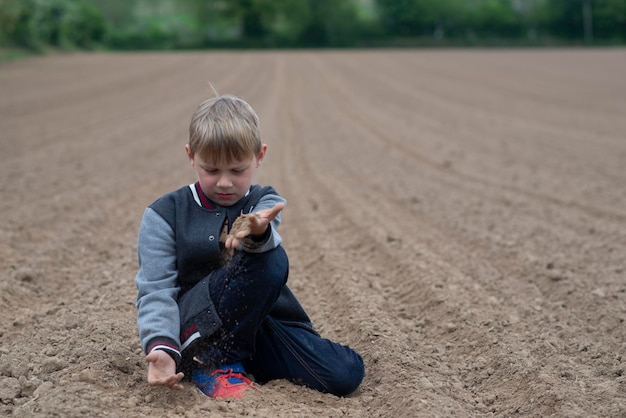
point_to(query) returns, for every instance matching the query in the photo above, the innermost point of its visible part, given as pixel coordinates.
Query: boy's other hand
(252, 224)
(162, 370)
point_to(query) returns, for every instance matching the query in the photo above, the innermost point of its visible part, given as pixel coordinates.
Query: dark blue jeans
(273, 340)
(299, 354)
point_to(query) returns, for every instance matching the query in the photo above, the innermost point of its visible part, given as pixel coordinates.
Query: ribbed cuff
(255, 241)
(167, 345)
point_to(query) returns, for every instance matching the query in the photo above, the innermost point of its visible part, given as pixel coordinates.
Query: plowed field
(457, 216)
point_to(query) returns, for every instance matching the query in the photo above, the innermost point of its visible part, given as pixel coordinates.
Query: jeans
(273, 340)
(300, 355)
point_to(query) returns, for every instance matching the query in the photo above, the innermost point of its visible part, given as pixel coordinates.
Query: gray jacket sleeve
(158, 316)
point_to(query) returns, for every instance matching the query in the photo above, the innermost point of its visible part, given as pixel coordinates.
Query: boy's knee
(271, 267)
(348, 375)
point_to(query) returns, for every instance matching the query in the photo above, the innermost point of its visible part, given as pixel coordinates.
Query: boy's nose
(224, 181)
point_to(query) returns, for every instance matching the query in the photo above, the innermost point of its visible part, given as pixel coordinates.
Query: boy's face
(225, 182)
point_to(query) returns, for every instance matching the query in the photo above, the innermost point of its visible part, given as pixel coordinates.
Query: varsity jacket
(178, 245)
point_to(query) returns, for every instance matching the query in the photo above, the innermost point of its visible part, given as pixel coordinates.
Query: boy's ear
(261, 154)
(188, 152)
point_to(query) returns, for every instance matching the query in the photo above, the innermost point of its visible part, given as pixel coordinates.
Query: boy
(212, 297)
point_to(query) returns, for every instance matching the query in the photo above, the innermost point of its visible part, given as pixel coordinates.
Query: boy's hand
(162, 370)
(251, 224)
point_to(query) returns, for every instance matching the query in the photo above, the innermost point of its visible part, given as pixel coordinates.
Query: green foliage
(455, 18)
(172, 24)
(35, 24)
(565, 19)
(328, 23)
(511, 19)
(610, 19)
(409, 17)
(497, 18)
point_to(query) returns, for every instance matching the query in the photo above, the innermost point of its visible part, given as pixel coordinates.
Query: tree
(496, 18)
(408, 17)
(35, 24)
(585, 19)
(609, 18)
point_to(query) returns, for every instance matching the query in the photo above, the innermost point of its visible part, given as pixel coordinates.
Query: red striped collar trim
(203, 199)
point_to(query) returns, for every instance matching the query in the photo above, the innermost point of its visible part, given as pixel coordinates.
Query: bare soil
(457, 216)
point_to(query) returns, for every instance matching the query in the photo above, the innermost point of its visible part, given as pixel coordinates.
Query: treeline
(177, 24)
(37, 24)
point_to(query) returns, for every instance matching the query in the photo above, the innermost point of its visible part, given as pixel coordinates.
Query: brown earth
(458, 217)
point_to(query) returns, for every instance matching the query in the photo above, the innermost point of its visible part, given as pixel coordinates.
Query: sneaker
(228, 381)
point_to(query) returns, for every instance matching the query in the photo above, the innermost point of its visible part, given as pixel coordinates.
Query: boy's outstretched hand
(162, 370)
(251, 224)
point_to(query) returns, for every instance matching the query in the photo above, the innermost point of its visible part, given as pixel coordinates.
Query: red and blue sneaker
(227, 381)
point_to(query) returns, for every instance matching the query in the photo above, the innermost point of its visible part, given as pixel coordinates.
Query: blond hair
(224, 128)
